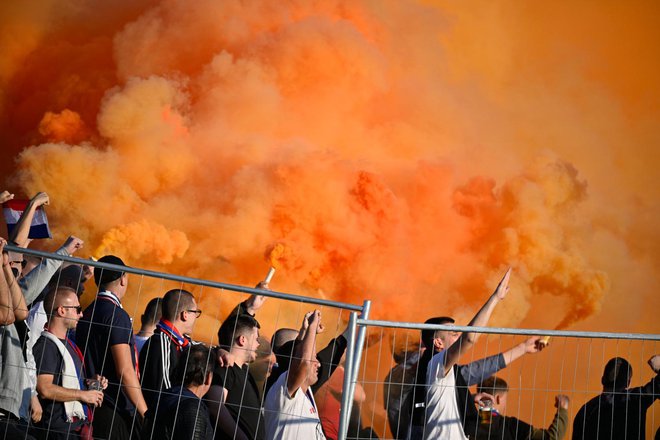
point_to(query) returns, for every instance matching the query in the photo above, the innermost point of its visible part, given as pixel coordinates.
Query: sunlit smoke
(346, 138)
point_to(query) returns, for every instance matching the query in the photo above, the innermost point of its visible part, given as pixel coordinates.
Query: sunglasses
(78, 308)
(197, 313)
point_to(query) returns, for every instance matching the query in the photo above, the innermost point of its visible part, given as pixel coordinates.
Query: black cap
(105, 276)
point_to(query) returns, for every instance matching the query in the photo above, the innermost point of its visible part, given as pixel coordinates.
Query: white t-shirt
(291, 418)
(443, 421)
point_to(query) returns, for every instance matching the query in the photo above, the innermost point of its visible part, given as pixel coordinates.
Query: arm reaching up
(531, 345)
(6, 306)
(467, 339)
(22, 230)
(305, 355)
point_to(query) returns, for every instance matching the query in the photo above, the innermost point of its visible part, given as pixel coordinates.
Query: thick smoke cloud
(399, 151)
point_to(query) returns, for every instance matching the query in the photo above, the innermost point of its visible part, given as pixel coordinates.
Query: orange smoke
(396, 151)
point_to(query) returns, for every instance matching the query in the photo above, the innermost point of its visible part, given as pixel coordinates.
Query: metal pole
(184, 279)
(346, 400)
(357, 358)
(509, 331)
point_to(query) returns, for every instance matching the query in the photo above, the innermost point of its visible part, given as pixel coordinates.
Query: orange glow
(402, 151)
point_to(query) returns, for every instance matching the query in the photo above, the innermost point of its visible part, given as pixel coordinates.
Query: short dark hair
(235, 326)
(429, 335)
(152, 312)
(176, 301)
(70, 276)
(52, 297)
(617, 374)
(493, 385)
(193, 367)
(103, 277)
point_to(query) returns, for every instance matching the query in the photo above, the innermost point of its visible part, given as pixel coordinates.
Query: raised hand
(561, 401)
(654, 363)
(41, 199)
(503, 286)
(72, 244)
(6, 196)
(532, 345)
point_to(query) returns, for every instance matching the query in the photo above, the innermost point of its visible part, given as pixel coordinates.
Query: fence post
(346, 403)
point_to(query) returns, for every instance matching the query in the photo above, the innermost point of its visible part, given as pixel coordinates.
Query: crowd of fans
(66, 372)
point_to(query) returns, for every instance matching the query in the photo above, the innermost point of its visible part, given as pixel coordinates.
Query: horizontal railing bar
(508, 331)
(184, 279)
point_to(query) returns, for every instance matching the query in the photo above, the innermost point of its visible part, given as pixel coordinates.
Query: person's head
(617, 374)
(180, 308)
(498, 388)
(195, 369)
(240, 335)
(70, 276)
(152, 313)
(112, 280)
(62, 307)
(282, 336)
(439, 339)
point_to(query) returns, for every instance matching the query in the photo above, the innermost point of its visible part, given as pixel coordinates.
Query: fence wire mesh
(243, 387)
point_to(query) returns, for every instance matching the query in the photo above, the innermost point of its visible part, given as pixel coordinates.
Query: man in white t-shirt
(290, 408)
(443, 417)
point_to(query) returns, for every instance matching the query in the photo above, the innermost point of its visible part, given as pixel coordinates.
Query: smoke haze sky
(406, 152)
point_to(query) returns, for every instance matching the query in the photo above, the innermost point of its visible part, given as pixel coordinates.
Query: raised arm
(121, 353)
(255, 302)
(531, 345)
(17, 299)
(467, 339)
(559, 425)
(37, 279)
(6, 306)
(22, 229)
(303, 357)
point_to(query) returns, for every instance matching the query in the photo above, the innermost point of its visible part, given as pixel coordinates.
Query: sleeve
(475, 372)
(329, 359)
(651, 391)
(37, 279)
(556, 430)
(240, 309)
(121, 330)
(224, 377)
(152, 364)
(47, 358)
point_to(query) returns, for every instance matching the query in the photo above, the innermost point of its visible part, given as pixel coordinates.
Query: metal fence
(216, 299)
(571, 364)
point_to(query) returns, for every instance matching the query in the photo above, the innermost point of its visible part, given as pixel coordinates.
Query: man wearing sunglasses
(61, 380)
(160, 354)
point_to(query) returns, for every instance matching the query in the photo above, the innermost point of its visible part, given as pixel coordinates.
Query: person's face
(313, 376)
(71, 310)
(191, 318)
(252, 344)
(445, 339)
